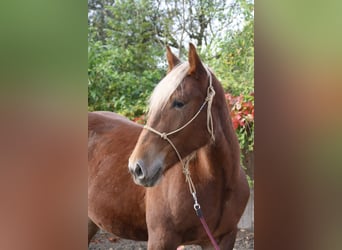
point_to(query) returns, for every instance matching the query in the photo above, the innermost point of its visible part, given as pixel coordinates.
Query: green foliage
(233, 61)
(125, 66)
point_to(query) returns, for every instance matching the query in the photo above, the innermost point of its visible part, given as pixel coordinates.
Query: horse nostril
(138, 171)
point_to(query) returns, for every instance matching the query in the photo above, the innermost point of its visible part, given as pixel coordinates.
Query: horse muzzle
(143, 175)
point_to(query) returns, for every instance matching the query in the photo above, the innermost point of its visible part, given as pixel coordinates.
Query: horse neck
(224, 153)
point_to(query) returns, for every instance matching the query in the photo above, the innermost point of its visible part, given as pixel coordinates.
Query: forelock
(166, 87)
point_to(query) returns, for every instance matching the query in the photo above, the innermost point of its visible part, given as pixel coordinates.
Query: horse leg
(163, 240)
(227, 241)
(92, 229)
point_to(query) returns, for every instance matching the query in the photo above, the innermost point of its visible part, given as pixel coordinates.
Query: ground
(106, 241)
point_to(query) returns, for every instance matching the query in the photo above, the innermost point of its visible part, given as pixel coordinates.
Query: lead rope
(185, 165)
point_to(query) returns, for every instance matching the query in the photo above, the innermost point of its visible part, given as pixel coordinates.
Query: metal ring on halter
(198, 210)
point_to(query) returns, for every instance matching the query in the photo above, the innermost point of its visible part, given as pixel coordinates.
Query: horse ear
(194, 61)
(171, 59)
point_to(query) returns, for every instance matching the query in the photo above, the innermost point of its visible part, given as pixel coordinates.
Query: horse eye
(177, 104)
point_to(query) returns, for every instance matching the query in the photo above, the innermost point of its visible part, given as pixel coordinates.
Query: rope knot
(211, 89)
(163, 135)
(186, 171)
(211, 92)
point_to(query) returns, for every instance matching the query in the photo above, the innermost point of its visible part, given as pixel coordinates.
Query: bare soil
(106, 241)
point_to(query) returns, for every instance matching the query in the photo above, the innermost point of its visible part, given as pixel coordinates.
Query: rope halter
(210, 126)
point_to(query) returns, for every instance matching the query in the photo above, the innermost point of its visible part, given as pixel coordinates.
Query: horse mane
(166, 87)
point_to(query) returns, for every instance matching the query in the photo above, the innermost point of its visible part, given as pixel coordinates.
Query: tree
(232, 57)
(98, 16)
(123, 62)
(198, 21)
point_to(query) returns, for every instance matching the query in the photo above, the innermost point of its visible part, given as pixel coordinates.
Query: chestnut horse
(186, 153)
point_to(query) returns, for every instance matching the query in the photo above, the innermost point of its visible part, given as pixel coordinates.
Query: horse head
(179, 119)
